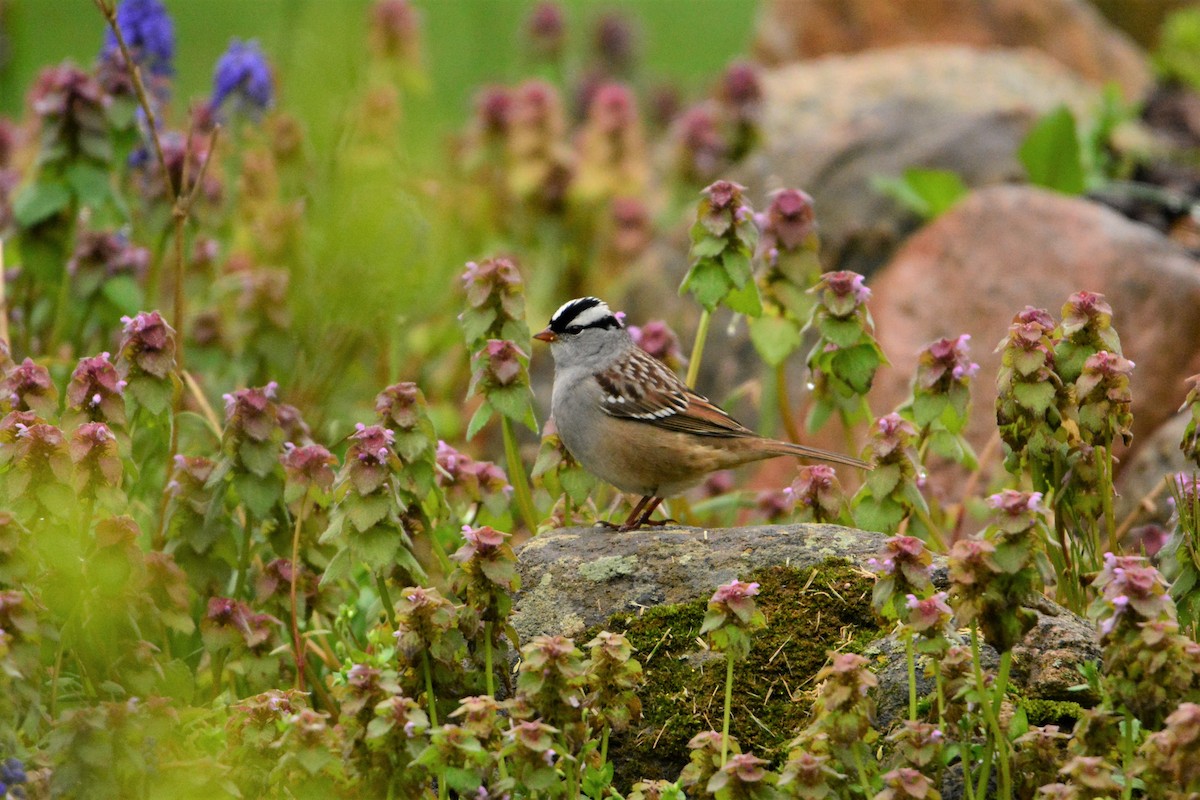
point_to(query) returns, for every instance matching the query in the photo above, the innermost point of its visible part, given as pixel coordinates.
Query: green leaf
(928, 407)
(842, 332)
(857, 366)
(775, 338)
(883, 516)
(260, 494)
(1051, 153)
(366, 512)
(478, 420)
(475, 324)
(513, 402)
(707, 282)
(745, 300)
(1035, 397)
(376, 547)
(40, 201)
(927, 192)
(91, 185)
(737, 267)
(124, 293)
(883, 479)
(707, 246)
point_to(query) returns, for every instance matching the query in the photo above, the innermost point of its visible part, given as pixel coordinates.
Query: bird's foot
(644, 523)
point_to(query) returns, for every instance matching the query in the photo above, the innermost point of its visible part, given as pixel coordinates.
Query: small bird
(630, 421)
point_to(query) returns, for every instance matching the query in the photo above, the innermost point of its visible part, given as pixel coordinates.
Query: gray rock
(575, 578)
(831, 126)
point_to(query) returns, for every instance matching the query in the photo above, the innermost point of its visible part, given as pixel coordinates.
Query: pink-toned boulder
(1070, 31)
(1003, 248)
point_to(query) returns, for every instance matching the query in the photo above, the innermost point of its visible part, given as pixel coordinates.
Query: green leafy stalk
(517, 476)
(698, 347)
(297, 642)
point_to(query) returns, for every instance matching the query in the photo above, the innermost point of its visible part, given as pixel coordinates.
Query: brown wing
(642, 388)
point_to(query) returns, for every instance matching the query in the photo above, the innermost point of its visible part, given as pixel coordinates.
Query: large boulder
(1003, 248)
(653, 585)
(1070, 31)
(833, 125)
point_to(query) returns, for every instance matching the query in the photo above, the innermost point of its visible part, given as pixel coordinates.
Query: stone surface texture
(576, 578)
(1072, 32)
(833, 125)
(1003, 248)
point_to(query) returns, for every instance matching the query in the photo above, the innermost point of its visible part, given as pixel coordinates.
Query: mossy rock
(808, 611)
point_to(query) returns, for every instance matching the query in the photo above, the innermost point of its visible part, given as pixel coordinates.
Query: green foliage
(1051, 153)
(1178, 54)
(929, 193)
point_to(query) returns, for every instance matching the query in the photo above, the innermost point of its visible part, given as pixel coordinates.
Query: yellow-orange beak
(546, 335)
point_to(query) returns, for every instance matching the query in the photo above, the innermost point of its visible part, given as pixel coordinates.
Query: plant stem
(698, 347)
(862, 769)
(385, 600)
(997, 744)
(243, 556)
(487, 659)
(784, 401)
(297, 642)
(431, 702)
(728, 703)
(1106, 498)
(604, 747)
(517, 477)
(911, 658)
(1127, 756)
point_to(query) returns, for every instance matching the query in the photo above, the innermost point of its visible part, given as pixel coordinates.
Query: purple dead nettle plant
(96, 393)
(428, 642)
(744, 775)
(546, 32)
(904, 593)
(731, 617)
(613, 677)
(845, 356)
(496, 332)
(891, 494)
(308, 483)
(700, 150)
(611, 151)
(38, 474)
(995, 578)
(739, 96)
(1147, 663)
(551, 689)
(941, 400)
(28, 387)
(843, 719)
(486, 580)
(1032, 399)
(538, 158)
(707, 749)
(376, 515)
(1172, 756)
(788, 253)
(817, 496)
(146, 361)
(723, 238)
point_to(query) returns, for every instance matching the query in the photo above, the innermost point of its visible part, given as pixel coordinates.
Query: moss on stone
(809, 611)
(1062, 713)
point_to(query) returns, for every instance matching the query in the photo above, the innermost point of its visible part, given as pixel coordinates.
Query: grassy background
(317, 46)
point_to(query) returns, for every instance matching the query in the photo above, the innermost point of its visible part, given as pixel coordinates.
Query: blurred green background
(319, 45)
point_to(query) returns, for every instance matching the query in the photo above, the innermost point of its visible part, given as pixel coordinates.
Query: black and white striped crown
(584, 312)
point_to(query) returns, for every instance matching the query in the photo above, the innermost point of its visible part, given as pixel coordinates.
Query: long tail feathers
(815, 453)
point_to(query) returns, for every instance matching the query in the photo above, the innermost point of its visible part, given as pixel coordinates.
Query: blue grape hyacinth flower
(148, 32)
(243, 77)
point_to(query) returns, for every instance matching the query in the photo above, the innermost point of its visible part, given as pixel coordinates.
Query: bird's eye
(574, 328)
